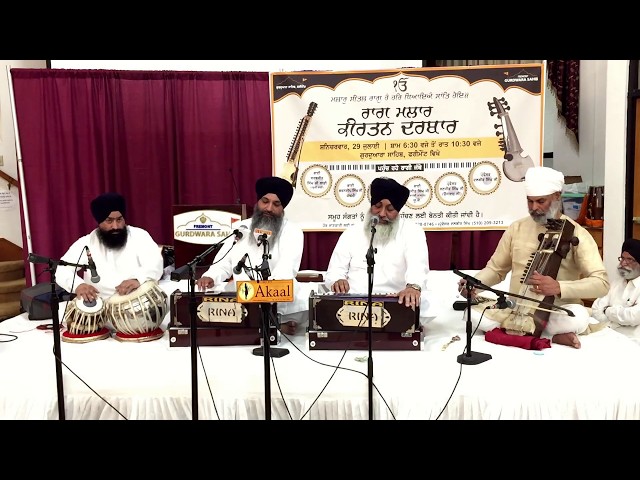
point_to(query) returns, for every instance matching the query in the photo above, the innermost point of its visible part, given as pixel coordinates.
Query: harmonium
(341, 322)
(220, 320)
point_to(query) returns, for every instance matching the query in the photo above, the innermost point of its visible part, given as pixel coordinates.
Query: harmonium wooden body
(341, 322)
(220, 320)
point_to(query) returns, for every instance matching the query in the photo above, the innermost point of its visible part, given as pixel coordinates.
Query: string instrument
(516, 164)
(554, 245)
(290, 169)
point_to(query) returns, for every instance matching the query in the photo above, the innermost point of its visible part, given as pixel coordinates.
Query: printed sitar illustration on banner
(461, 139)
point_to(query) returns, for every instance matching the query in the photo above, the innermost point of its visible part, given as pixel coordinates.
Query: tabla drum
(136, 317)
(85, 321)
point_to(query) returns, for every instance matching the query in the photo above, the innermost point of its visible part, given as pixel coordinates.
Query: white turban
(540, 181)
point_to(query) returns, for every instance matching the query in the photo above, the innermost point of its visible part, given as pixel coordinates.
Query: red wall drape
(161, 138)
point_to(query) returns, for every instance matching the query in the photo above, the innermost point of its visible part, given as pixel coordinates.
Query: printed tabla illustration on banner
(461, 139)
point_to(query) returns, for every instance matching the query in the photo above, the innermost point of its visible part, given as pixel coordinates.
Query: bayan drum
(84, 321)
(136, 317)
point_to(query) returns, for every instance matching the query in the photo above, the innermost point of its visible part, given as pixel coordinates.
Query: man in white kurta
(401, 255)
(619, 307)
(284, 246)
(581, 273)
(125, 256)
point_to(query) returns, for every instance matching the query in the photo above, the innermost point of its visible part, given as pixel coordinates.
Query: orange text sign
(265, 291)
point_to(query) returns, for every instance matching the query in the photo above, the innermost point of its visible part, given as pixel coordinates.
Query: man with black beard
(270, 249)
(581, 273)
(620, 305)
(401, 253)
(125, 257)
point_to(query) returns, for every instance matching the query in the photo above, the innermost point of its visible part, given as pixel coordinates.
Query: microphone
(262, 235)
(375, 219)
(503, 303)
(238, 268)
(38, 259)
(95, 278)
(239, 232)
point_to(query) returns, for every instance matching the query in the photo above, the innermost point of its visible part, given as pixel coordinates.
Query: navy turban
(632, 247)
(276, 185)
(388, 188)
(104, 204)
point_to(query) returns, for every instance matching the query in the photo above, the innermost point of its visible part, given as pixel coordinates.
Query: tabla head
(84, 321)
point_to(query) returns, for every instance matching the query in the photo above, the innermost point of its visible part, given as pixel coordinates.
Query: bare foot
(569, 339)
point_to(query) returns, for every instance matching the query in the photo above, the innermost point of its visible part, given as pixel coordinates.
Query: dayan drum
(85, 321)
(136, 317)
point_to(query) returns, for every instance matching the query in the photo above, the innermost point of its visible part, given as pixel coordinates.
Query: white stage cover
(109, 379)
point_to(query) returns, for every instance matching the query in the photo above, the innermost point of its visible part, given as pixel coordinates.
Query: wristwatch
(414, 286)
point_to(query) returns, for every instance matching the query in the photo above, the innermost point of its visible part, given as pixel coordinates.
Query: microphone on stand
(240, 266)
(375, 219)
(261, 235)
(33, 258)
(503, 303)
(239, 232)
(95, 278)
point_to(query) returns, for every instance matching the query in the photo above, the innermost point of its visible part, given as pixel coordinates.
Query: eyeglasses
(627, 260)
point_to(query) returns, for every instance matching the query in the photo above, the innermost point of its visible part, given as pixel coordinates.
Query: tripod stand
(54, 302)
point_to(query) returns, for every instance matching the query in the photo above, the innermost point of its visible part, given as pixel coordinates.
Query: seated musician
(581, 274)
(401, 255)
(124, 256)
(619, 308)
(284, 246)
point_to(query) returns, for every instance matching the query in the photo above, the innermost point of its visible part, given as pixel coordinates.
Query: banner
(461, 139)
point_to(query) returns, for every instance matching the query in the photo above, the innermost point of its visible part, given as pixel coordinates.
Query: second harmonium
(341, 322)
(220, 319)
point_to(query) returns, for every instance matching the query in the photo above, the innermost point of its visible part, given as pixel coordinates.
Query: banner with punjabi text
(461, 139)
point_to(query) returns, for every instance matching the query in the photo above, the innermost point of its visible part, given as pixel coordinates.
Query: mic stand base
(474, 358)
(273, 352)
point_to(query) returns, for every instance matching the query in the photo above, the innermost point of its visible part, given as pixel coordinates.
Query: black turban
(104, 204)
(388, 188)
(632, 247)
(276, 185)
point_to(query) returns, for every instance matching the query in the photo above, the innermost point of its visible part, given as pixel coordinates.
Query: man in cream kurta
(581, 273)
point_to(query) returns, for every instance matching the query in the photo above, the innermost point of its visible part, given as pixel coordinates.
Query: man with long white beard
(619, 307)
(581, 273)
(277, 258)
(401, 252)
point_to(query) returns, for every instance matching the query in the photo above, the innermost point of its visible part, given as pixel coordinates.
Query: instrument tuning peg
(575, 241)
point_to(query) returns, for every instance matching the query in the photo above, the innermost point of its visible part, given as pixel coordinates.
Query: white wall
(10, 227)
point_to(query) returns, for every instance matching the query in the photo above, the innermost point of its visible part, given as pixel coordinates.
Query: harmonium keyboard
(220, 320)
(341, 322)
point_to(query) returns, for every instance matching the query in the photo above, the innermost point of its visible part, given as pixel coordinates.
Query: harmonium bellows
(341, 322)
(220, 320)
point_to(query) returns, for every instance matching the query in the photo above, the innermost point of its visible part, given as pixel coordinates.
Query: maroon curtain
(161, 138)
(564, 76)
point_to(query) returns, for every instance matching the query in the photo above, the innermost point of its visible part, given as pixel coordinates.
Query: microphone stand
(469, 357)
(474, 358)
(265, 350)
(177, 275)
(54, 303)
(370, 263)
